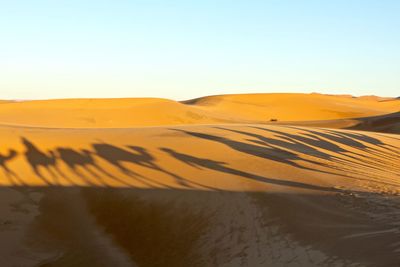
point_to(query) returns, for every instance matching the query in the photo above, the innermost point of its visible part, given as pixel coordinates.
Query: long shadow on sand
(4, 159)
(287, 149)
(277, 150)
(139, 156)
(374, 150)
(38, 159)
(297, 144)
(219, 166)
(83, 163)
(84, 159)
(270, 153)
(372, 158)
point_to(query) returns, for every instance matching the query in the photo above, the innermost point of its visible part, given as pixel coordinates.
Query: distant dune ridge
(231, 180)
(247, 108)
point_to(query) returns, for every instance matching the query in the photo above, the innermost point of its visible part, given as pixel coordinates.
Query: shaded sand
(199, 195)
(388, 123)
(246, 108)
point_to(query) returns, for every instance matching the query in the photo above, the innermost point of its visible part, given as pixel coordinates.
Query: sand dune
(160, 187)
(388, 123)
(101, 113)
(211, 191)
(250, 108)
(296, 107)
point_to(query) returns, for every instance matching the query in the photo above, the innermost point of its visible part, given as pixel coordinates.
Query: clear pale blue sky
(185, 49)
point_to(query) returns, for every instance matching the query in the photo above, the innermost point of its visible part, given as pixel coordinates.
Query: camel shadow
(147, 160)
(118, 156)
(4, 159)
(76, 160)
(220, 166)
(277, 153)
(38, 160)
(325, 141)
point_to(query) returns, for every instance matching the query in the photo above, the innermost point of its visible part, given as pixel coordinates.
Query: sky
(186, 49)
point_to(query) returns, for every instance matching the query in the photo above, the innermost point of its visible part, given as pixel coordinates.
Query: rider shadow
(117, 156)
(357, 137)
(284, 143)
(83, 159)
(4, 159)
(139, 156)
(261, 151)
(220, 166)
(144, 158)
(373, 146)
(326, 142)
(38, 160)
(278, 154)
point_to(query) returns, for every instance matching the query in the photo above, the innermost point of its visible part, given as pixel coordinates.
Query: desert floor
(235, 180)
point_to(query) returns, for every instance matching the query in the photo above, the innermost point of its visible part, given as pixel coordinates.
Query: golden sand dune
(388, 123)
(296, 107)
(246, 108)
(101, 113)
(198, 195)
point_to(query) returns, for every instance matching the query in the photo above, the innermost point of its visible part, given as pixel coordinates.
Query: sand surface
(251, 108)
(205, 182)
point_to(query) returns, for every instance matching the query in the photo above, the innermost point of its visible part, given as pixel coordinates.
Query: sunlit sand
(233, 180)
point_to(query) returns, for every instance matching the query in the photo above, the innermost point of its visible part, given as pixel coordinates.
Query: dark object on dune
(273, 120)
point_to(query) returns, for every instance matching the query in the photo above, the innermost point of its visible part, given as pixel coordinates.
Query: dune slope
(216, 195)
(388, 123)
(246, 108)
(296, 107)
(208, 182)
